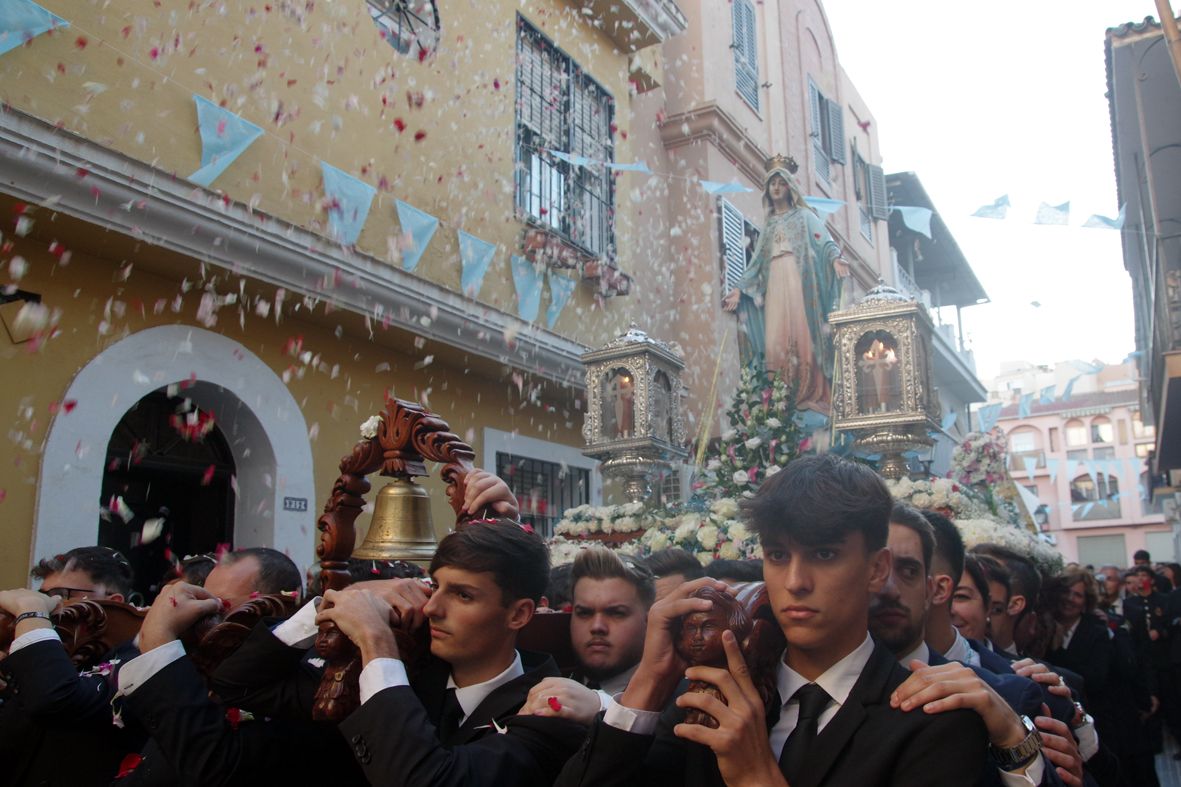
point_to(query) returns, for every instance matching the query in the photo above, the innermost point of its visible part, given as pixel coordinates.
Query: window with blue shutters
(827, 131)
(746, 52)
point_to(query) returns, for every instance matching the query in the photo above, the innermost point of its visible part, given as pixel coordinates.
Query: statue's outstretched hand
(730, 302)
(841, 266)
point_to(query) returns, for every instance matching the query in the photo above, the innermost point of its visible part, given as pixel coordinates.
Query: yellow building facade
(238, 301)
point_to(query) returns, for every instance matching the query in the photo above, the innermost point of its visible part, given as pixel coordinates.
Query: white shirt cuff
(605, 699)
(300, 629)
(1088, 740)
(1032, 776)
(32, 637)
(381, 674)
(641, 722)
(141, 668)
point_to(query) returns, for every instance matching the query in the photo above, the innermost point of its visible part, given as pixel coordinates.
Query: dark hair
(600, 563)
(738, 570)
(194, 569)
(517, 560)
(276, 572)
(994, 571)
(1141, 554)
(817, 499)
(949, 544)
(909, 516)
(558, 592)
(1024, 578)
(977, 574)
(104, 566)
(674, 560)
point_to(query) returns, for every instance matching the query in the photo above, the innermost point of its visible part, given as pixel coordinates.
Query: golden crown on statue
(782, 162)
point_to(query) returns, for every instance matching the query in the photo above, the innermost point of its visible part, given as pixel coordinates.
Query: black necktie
(451, 716)
(813, 700)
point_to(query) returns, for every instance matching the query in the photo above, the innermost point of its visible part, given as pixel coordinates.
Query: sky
(1006, 98)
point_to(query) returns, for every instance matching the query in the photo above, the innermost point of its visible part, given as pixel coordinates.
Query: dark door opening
(167, 488)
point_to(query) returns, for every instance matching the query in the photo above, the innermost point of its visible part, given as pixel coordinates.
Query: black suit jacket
(393, 736)
(55, 724)
(1061, 708)
(194, 743)
(395, 739)
(866, 743)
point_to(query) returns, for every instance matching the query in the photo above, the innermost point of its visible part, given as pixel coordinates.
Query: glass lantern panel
(879, 374)
(619, 407)
(662, 411)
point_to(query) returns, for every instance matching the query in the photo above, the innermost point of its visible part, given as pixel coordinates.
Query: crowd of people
(904, 659)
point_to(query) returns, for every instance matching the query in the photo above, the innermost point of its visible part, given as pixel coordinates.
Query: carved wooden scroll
(91, 628)
(408, 437)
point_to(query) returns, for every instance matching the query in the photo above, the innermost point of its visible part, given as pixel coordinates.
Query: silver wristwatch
(1021, 755)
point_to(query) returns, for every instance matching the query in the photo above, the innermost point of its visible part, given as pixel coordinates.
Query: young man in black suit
(899, 617)
(823, 524)
(454, 722)
(48, 707)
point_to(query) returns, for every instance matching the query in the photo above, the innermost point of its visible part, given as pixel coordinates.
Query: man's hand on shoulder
(740, 741)
(952, 686)
(660, 668)
(1060, 748)
(363, 617)
(174, 611)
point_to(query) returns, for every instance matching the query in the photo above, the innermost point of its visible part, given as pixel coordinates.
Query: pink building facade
(1084, 460)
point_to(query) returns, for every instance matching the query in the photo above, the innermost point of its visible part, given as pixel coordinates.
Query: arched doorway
(263, 425)
(167, 489)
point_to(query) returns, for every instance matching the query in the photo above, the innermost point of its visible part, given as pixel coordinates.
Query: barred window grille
(543, 489)
(746, 52)
(738, 238)
(561, 108)
(409, 26)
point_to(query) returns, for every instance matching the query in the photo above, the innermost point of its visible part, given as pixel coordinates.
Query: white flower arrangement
(587, 519)
(989, 531)
(940, 493)
(714, 533)
(370, 427)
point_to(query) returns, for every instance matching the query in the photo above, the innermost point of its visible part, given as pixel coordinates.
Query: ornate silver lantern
(883, 391)
(634, 423)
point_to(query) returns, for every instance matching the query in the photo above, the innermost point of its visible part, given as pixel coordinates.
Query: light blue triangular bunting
(1025, 405)
(224, 137)
(1069, 390)
(1047, 395)
(918, 219)
(23, 20)
(1102, 222)
(949, 420)
(824, 206)
(997, 210)
(560, 289)
(527, 281)
(1030, 463)
(713, 187)
(475, 256)
(1053, 465)
(637, 166)
(1052, 214)
(351, 199)
(420, 226)
(988, 416)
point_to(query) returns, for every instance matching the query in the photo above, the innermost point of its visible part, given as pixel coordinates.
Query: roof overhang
(635, 24)
(40, 164)
(943, 268)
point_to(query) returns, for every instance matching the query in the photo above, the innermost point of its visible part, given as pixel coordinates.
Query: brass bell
(401, 525)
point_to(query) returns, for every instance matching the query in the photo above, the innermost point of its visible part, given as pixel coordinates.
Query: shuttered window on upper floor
(869, 185)
(827, 129)
(738, 237)
(746, 52)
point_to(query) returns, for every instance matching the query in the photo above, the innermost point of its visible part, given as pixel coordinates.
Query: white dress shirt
(381, 674)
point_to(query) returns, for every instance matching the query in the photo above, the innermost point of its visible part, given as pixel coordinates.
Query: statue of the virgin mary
(793, 281)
